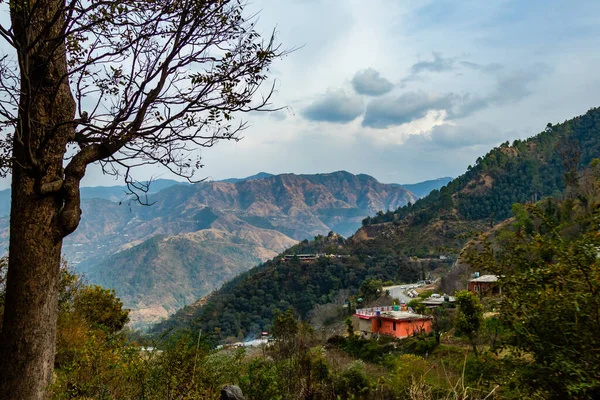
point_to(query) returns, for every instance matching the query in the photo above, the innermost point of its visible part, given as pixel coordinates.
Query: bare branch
(152, 81)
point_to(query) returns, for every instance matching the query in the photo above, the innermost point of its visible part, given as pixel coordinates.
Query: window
(394, 325)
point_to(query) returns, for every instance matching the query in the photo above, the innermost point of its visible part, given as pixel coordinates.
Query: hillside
(436, 225)
(247, 304)
(164, 273)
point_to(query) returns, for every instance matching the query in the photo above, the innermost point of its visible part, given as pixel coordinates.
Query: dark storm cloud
(371, 83)
(388, 111)
(336, 106)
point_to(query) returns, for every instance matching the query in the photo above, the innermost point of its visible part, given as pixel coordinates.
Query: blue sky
(410, 90)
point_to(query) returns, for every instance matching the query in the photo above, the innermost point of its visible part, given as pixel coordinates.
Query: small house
(485, 285)
(391, 321)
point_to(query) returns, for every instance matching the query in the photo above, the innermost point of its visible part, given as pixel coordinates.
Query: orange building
(400, 324)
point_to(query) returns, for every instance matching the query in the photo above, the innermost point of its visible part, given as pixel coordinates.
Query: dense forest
(525, 171)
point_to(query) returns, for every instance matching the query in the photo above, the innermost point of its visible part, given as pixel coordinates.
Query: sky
(407, 91)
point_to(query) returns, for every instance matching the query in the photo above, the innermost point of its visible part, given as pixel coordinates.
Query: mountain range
(194, 237)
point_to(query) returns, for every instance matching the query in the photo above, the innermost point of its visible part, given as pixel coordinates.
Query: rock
(232, 392)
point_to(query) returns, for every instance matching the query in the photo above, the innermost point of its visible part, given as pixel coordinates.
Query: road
(397, 293)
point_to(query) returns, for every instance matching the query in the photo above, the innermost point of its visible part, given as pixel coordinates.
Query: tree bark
(45, 126)
(28, 341)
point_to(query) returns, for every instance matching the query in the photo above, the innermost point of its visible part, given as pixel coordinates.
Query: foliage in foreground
(549, 264)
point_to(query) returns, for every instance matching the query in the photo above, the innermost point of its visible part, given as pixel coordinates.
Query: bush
(353, 382)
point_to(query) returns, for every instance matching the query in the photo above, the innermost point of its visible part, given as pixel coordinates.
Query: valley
(191, 239)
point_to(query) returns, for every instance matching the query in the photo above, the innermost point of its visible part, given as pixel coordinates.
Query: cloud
(510, 88)
(438, 64)
(336, 106)
(454, 136)
(489, 68)
(388, 111)
(371, 83)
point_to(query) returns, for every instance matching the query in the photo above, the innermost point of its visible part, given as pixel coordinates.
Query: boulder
(232, 392)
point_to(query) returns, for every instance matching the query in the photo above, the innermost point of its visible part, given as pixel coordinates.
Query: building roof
(433, 301)
(403, 315)
(390, 314)
(485, 278)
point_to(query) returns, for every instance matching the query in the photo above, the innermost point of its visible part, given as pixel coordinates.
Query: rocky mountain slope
(164, 273)
(192, 238)
(299, 206)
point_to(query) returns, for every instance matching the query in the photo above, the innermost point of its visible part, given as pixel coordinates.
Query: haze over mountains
(193, 238)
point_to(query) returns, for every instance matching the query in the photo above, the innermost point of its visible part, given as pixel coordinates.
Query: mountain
(234, 226)
(164, 273)
(260, 175)
(438, 224)
(121, 193)
(299, 206)
(422, 189)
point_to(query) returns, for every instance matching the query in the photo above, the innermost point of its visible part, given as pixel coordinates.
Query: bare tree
(116, 83)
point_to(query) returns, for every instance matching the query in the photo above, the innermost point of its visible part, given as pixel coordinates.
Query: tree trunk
(28, 341)
(38, 204)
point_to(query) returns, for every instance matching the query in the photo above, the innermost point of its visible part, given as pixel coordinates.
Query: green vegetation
(469, 318)
(97, 359)
(248, 303)
(550, 268)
